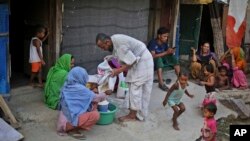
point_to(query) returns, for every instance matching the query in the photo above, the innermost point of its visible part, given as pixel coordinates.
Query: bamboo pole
(8, 113)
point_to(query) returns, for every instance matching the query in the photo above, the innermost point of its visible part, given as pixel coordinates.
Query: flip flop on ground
(163, 87)
(77, 135)
(168, 81)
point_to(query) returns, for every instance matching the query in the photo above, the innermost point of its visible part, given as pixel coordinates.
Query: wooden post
(217, 29)
(8, 113)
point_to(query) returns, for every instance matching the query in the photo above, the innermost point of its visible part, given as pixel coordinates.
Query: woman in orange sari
(239, 58)
(239, 79)
(234, 60)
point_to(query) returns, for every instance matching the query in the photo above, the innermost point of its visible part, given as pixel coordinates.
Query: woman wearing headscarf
(78, 104)
(56, 78)
(239, 79)
(234, 60)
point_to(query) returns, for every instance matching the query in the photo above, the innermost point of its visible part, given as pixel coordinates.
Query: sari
(75, 97)
(239, 79)
(55, 80)
(239, 57)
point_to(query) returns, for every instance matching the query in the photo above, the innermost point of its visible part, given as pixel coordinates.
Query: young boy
(174, 95)
(36, 55)
(222, 80)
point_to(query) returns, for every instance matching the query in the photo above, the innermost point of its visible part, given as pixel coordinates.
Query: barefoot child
(209, 130)
(36, 55)
(209, 85)
(222, 80)
(174, 95)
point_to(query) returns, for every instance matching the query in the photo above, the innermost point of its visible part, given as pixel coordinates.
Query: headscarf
(239, 55)
(75, 97)
(55, 80)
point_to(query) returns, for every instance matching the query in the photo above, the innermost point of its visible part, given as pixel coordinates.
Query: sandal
(168, 81)
(163, 87)
(157, 81)
(77, 135)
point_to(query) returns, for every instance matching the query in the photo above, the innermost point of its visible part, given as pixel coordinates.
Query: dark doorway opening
(16, 45)
(206, 32)
(24, 16)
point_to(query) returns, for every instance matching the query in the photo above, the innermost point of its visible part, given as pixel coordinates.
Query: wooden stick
(8, 113)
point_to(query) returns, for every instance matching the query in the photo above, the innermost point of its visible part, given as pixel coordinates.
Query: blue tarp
(4, 42)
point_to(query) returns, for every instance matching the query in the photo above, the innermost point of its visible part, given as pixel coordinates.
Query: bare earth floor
(39, 122)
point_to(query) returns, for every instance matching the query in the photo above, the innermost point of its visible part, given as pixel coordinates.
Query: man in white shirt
(134, 57)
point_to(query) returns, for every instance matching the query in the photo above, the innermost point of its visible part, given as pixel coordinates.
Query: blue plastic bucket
(103, 108)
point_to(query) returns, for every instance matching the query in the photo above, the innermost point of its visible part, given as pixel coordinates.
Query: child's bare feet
(175, 125)
(243, 87)
(40, 85)
(31, 84)
(175, 121)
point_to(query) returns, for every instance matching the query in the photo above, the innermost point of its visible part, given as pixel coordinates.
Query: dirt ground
(224, 123)
(39, 122)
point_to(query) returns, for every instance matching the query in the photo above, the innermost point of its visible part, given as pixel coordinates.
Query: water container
(103, 106)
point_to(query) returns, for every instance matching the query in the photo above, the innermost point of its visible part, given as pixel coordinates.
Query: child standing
(209, 130)
(209, 85)
(222, 80)
(36, 55)
(174, 95)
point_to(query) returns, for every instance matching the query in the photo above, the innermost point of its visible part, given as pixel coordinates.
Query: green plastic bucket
(107, 117)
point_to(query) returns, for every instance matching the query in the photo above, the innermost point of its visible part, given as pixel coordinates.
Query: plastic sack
(111, 83)
(122, 89)
(104, 68)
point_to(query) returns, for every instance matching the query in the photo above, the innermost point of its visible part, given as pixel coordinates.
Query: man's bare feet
(127, 118)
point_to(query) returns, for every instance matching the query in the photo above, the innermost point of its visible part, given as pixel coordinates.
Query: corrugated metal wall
(83, 19)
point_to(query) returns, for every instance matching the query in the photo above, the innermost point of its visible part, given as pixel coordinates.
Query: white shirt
(34, 57)
(134, 52)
